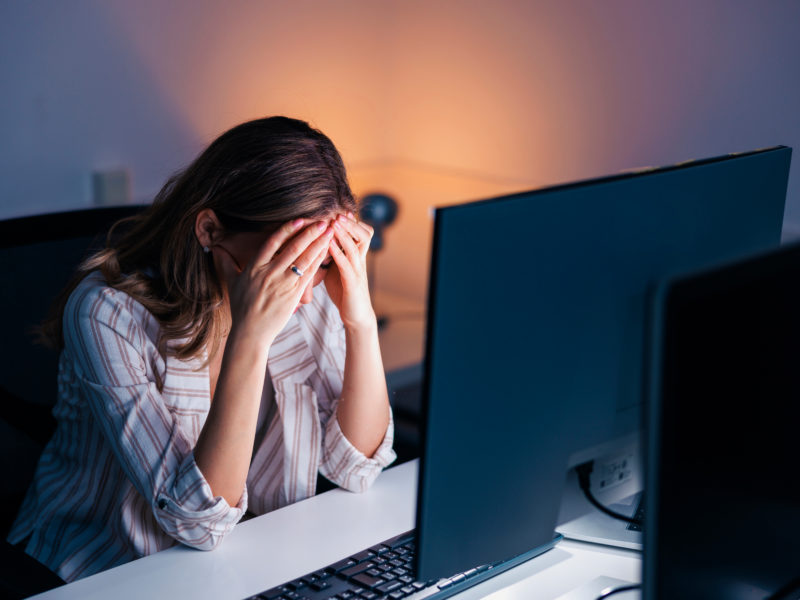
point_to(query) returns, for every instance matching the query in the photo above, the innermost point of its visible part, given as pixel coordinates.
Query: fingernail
(297, 223)
(329, 232)
(350, 214)
(321, 226)
(336, 225)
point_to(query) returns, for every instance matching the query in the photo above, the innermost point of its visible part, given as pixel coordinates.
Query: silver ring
(296, 271)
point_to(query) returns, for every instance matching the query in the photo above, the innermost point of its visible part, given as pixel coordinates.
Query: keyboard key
(397, 594)
(346, 595)
(419, 585)
(389, 576)
(374, 572)
(385, 567)
(378, 560)
(408, 589)
(389, 586)
(406, 579)
(320, 585)
(356, 569)
(445, 584)
(274, 592)
(322, 574)
(390, 555)
(367, 580)
(342, 564)
(364, 555)
(368, 595)
(401, 540)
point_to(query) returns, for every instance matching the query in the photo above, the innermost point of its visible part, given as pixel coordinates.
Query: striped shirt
(118, 480)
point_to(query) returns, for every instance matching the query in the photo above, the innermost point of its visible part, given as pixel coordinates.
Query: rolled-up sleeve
(109, 346)
(348, 467)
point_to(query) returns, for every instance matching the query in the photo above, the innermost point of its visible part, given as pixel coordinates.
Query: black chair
(38, 256)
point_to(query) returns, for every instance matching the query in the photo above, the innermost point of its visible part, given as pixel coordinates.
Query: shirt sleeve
(348, 467)
(342, 463)
(109, 345)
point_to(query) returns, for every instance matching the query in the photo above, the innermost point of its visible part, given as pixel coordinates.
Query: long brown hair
(255, 177)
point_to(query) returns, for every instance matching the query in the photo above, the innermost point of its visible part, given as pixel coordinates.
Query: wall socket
(612, 471)
(111, 187)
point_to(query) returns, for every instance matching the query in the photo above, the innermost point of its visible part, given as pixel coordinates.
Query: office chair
(38, 256)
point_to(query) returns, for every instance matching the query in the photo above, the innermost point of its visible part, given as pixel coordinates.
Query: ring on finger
(294, 269)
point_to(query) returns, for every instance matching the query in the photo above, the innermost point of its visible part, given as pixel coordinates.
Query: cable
(623, 588)
(584, 471)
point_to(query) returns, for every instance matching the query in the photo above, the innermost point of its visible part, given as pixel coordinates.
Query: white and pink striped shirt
(119, 481)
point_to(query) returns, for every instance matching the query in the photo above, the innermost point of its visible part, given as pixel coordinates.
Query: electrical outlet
(111, 187)
(613, 471)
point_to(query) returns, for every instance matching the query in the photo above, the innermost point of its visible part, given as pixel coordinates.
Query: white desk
(275, 548)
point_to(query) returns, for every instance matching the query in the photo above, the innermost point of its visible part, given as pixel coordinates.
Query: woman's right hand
(265, 293)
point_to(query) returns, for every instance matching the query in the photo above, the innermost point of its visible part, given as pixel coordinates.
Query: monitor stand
(601, 585)
(598, 528)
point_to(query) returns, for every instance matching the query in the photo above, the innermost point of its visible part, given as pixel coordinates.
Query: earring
(206, 249)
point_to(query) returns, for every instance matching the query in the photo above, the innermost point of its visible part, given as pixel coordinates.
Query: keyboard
(384, 571)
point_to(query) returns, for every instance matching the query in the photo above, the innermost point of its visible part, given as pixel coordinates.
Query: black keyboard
(383, 571)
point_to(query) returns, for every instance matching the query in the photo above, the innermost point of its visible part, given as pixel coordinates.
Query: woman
(215, 358)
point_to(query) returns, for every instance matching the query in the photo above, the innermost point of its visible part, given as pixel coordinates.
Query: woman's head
(252, 178)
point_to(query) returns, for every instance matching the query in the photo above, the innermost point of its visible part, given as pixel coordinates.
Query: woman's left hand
(347, 284)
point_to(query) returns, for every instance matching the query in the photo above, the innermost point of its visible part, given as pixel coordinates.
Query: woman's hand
(265, 293)
(347, 284)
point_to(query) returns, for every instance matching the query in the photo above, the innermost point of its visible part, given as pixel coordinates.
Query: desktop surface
(287, 543)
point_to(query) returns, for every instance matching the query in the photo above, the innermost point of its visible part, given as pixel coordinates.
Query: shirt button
(162, 503)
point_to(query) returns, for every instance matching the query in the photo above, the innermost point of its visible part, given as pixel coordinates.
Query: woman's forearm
(225, 445)
(363, 410)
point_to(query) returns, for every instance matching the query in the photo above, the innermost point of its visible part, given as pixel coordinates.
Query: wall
(93, 84)
(433, 102)
(518, 94)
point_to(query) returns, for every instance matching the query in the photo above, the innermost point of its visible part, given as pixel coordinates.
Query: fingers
(308, 259)
(366, 227)
(346, 232)
(344, 266)
(276, 240)
(291, 251)
(360, 232)
(311, 270)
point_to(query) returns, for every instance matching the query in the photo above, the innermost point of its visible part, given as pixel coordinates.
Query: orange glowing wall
(433, 102)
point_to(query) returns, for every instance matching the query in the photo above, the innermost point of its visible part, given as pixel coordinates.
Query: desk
(290, 542)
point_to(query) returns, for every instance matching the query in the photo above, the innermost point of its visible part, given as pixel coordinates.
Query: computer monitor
(535, 347)
(723, 496)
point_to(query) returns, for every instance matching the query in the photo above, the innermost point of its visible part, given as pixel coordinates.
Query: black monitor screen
(536, 339)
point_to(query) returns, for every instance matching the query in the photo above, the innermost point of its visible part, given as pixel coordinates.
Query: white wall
(436, 102)
(93, 84)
